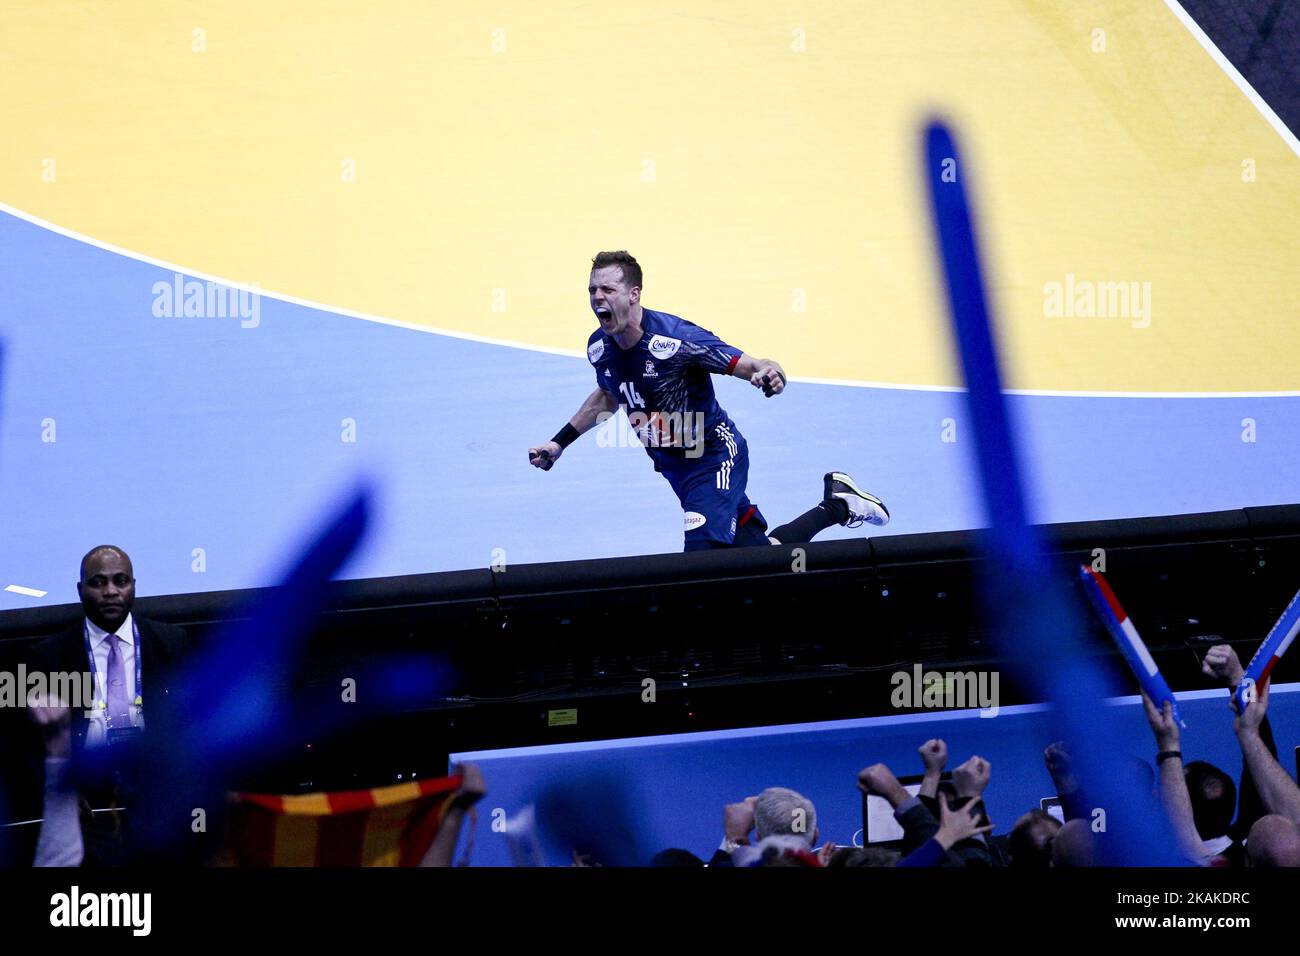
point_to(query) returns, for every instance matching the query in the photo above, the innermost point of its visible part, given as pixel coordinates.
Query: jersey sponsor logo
(694, 520)
(661, 346)
(650, 370)
(595, 350)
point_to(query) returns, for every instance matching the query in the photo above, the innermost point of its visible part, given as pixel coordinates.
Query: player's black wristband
(566, 436)
(1168, 755)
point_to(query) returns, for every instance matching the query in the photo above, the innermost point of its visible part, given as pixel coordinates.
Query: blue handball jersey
(663, 384)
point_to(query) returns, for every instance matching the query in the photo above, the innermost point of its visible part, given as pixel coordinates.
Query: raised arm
(1221, 661)
(1276, 788)
(598, 404)
(60, 840)
(934, 755)
(766, 374)
(1173, 785)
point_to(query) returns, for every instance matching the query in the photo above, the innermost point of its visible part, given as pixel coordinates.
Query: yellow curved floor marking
(761, 162)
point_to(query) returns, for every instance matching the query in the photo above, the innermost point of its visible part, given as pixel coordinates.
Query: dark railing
(736, 638)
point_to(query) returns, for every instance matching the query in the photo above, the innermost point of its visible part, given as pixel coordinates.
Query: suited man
(132, 660)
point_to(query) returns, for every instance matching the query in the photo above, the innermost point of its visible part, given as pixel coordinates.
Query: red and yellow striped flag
(384, 826)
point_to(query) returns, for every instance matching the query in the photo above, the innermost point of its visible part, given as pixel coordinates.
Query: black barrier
(552, 653)
(475, 589)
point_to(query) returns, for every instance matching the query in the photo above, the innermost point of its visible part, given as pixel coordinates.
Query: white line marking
(263, 293)
(1052, 393)
(1226, 65)
(30, 592)
(575, 353)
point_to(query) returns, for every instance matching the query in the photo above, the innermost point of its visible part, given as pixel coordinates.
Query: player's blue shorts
(718, 513)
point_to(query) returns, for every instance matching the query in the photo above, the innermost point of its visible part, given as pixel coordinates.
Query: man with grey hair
(779, 811)
(778, 817)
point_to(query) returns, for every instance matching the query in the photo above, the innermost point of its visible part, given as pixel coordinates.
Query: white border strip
(823, 726)
(29, 592)
(574, 353)
(1225, 64)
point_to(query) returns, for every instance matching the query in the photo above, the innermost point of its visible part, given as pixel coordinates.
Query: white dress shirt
(97, 730)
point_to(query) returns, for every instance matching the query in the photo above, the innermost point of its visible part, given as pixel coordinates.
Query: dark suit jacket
(162, 647)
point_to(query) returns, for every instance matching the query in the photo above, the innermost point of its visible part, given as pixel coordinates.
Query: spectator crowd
(1212, 819)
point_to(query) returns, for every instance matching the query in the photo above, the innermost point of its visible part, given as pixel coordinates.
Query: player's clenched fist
(545, 455)
(770, 377)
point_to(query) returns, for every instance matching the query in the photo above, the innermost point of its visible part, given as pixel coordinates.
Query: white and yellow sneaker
(863, 507)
